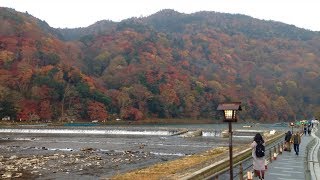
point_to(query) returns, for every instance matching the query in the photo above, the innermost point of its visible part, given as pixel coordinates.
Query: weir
(192, 133)
(87, 131)
(181, 133)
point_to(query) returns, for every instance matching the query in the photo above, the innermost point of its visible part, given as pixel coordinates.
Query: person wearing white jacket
(258, 162)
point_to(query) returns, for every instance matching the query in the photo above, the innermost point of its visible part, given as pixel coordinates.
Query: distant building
(6, 118)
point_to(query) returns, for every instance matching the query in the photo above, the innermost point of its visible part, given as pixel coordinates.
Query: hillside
(40, 76)
(167, 65)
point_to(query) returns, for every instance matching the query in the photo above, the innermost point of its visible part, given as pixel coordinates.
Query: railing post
(280, 148)
(240, 172)
(216, 177)
(274, 152)
(249, 175)
(270, 156)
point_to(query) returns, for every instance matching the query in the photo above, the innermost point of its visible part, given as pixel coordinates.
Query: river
(117, 148)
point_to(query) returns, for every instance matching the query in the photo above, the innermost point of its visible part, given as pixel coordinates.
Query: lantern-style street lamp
(229, 112)
(292, 125)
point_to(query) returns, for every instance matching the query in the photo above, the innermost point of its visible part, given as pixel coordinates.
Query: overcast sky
(82, 13)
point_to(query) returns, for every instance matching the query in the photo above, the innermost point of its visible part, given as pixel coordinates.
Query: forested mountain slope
(167, 65)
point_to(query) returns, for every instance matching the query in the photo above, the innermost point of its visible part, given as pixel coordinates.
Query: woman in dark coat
(287, 139)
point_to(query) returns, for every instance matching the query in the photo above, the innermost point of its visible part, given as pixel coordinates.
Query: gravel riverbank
(88, 163)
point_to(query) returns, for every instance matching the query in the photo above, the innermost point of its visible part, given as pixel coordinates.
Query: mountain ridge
(215, 16)
(166, 65)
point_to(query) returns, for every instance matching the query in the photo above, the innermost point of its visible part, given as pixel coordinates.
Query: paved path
(289, 166)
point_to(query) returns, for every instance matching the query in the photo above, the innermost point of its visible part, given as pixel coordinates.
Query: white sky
(82, 13)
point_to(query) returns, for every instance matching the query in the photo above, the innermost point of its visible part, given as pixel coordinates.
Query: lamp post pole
(230, 151)
(230, 116)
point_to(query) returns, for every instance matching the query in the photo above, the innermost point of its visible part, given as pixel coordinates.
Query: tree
(45, 110)
(97, 111)
(28, 110)
(7, 108)
(132, 114)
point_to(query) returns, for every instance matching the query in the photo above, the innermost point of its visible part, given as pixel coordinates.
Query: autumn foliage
(167, 65)
(97, 111)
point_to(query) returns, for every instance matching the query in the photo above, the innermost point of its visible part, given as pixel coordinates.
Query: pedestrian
(287, 140)
(309, 131)
(305, 129)
(258, 155)
(296, 139)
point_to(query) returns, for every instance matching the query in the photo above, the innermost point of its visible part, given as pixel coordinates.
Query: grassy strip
(162, 170)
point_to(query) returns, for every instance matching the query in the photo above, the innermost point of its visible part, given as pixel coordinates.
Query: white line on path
(290, 163)
(287, 178)
(279, 174)
(290, 166)
(296, 172)
(293, 159)
(282, 168)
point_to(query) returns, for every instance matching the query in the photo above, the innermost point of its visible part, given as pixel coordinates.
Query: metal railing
(307, 158)
(272, 150)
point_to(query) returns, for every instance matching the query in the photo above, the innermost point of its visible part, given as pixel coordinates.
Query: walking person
(258, 155)
(296, 138)
(309, 129)
(305, 129)
(287, 140)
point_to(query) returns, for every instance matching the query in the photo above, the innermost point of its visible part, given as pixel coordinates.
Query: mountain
(167, 65)
(40, 75)
(95, 29)
(171, 21)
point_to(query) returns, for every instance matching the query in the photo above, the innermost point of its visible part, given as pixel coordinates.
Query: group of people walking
(307, 128)
(294, 139)
(259, 158)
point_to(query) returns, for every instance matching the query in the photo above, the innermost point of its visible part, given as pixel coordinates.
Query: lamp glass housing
(228, 114)
(229, 110)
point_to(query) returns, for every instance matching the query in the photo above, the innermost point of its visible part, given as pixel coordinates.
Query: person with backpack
(296, 138)
(258, 155)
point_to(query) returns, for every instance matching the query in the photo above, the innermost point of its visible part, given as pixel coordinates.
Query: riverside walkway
(289, 166)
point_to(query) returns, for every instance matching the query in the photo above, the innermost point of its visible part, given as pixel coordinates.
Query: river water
(145, 144)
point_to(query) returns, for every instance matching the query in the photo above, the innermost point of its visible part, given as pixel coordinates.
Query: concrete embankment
(183, 131)
(241, 132)
(192, 133)
(314, 155)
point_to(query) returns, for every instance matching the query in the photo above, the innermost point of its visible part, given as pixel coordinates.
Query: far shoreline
(114, 122)
(124, 122)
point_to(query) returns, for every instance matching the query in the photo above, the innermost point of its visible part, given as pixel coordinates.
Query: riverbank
(114, 122)
(88, 163)
(89, 152)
